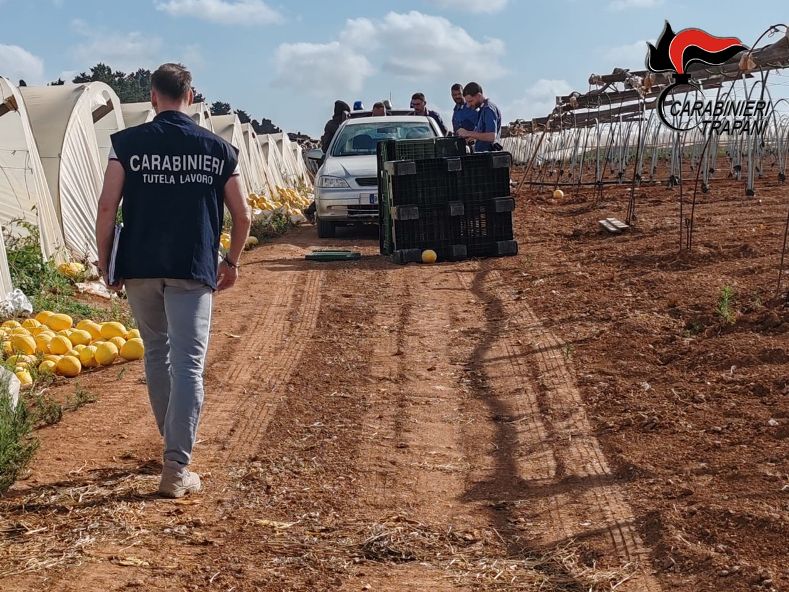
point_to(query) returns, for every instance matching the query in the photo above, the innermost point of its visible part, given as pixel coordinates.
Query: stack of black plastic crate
(435, 196)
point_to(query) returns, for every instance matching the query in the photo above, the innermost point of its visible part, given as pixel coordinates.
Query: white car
(346, 185)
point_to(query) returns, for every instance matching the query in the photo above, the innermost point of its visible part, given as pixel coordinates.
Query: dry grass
(64, 524)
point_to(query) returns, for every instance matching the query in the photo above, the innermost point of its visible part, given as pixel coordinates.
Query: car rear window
(362, 138)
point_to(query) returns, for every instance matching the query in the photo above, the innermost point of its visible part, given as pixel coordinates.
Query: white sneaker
(177, 480)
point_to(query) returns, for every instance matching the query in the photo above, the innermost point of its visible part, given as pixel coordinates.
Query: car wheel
(325, 229)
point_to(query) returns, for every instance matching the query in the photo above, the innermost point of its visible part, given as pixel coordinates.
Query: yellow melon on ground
(24, 343)
(43, 316)
(8, 349)
(59, 322)
(91, 327)
(19, 331)
(133, 333)
(80, 337)
(133, 349)
(11, 325)
(118, 341)
(47, 367)
(42, 341)
(59, 345)
(21, 360)
(73, 353)
(30, 324)
(112, 329)
(69, 366)
(24, 377)
(87, 356)
(106, 353)
(52, 358)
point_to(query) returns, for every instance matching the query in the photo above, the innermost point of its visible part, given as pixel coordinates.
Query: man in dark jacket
(341, 112)
(419, 105)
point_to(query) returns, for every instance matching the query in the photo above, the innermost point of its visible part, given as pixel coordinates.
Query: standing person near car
(463, 116)
(341, 112)
(487, 133)
(175, 179)
(419, 105)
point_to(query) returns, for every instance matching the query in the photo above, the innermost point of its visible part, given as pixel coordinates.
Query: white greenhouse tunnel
(72, 125)
(228, 127)
(24, 192)
(135, 114)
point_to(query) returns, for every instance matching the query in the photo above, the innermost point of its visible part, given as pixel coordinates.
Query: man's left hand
(463, 133)
(226, 276)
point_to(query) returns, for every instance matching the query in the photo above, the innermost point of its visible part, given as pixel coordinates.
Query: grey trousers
(174, 318)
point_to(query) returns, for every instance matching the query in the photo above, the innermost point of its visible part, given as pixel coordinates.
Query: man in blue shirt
(463, 116)
(487, 133)
(175, 179)
(419, 105)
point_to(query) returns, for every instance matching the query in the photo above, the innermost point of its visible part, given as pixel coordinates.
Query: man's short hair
(379, 105)
(174, 81)
(471, 89)
(418, 97)
(457, 86)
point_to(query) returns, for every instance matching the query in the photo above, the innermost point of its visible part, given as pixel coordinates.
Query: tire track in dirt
(414, 462)
(250, 388)
(549, 463)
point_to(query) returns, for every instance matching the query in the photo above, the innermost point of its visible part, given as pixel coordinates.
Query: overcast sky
(289, 62)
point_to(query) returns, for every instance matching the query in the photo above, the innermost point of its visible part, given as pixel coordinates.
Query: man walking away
(419, 105)
(487, 133)
(341, 112)
(463, 116)
(175, 179)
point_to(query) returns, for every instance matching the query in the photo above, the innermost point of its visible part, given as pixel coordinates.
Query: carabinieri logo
(674, 53)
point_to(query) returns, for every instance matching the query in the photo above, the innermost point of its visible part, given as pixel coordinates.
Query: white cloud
(631, 56)
(16, 63)
(413, 46)
(323, 69)
(120, 51)
(539, 99)
(627, 4)
(419, 47)
(475, 6)
(224, 12)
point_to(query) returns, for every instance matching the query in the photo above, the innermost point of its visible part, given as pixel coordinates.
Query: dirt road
(373, 427)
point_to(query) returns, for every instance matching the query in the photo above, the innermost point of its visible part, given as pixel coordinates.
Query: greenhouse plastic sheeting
(61, 118)
(24, 192)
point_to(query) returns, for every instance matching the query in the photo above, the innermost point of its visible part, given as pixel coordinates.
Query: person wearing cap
(487, 133)
(419, 105)
(463, 116)
(176, 179)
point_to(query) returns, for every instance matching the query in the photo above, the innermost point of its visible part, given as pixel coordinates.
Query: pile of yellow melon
(50, 342)
(284, 200)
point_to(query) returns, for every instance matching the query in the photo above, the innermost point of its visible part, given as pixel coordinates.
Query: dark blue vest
(173, 198)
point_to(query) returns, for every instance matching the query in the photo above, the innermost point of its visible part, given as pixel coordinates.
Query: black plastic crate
(422, 149)
(427, 227)
(484, 176)
(430, 182)
(487, 220)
